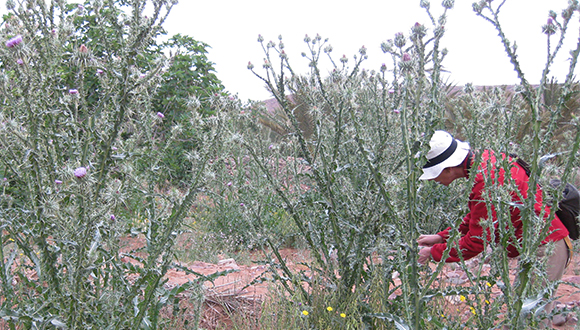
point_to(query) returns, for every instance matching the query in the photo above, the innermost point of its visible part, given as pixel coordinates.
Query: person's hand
(429, 240)
(424, 255)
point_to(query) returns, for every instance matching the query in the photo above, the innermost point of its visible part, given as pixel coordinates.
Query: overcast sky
(231, 28)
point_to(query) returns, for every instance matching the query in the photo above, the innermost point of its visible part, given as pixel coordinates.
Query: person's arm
(463, 228)
(471, 243)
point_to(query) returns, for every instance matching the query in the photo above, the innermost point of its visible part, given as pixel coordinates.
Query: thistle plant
(80, 161)
(358, 132)
(359, 137)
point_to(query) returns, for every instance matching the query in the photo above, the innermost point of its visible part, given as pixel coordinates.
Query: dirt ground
(236, 291)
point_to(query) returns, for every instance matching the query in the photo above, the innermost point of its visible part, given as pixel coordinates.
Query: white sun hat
(445, 152)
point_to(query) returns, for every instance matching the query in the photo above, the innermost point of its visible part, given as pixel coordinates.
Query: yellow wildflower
(342, 315)
(487, 301)
(462, 298)
(305, 313)
(472, 310)
(329, 309)
(488, 284)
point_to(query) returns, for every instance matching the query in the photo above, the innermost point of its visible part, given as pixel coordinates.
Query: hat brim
(453, 160)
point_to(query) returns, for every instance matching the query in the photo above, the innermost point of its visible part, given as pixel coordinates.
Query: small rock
(558, 320)
(455, 299)
(456, 277)
(571, 319)
(229, 263)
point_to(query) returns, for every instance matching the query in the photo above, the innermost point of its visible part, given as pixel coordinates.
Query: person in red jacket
(450, 159)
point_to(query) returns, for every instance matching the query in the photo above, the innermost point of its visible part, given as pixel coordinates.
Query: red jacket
(470, 242)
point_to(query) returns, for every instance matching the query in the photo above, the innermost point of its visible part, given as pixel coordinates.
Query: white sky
(231, 28)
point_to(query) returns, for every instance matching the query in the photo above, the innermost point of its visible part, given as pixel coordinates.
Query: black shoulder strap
(522, 163)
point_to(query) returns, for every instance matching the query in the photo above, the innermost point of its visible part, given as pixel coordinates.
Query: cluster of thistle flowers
(397, 49)
(14, 43)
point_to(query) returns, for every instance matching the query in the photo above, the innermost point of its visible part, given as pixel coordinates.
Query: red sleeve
(463, 228)
(471, 243)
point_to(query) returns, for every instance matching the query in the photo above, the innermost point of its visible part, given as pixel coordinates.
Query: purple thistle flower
(80, 172)
(229, 184)
(160, 115)
(396, 111)
(20, 61)
(113, 217)
(73, 91)
(242, 204)
(391, 91)
(14, 41)
(99, 71)
(271, 147)
(57, 182)
(406, 57)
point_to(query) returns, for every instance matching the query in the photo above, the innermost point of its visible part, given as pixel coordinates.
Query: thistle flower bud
(363, 50)
(400, 40)
(418, 30)
(550, 28)
(10, 5)
(260, 38)
(406, 63)
(387, 46)
(266, 64)
(250, 66)
(80, 172)
(328, 49)
(343, 59)
(448, 4)
(283, 55)
(567, 13)
(553, 14)
(83, 49)
(439, 31)
(160, 115)
(73, 91)
(14, 41)
(383, 67)
(307, 38)
(270, 44)
(425, 4)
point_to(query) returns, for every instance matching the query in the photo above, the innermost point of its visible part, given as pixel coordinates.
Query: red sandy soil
(232, 285)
